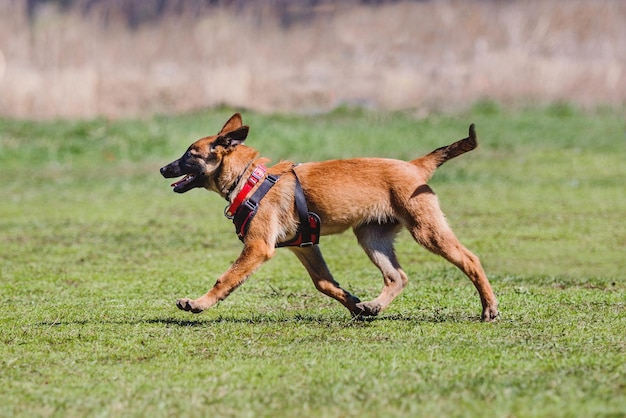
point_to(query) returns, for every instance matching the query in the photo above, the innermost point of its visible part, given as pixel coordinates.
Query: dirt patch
(430, 55)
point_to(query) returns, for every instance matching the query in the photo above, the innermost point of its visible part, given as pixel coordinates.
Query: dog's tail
(432, 161)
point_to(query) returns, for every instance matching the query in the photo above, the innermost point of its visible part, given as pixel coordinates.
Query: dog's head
(203, 158)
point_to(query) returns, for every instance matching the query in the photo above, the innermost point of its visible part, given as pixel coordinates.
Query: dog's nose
(171, 170)
(164, 170)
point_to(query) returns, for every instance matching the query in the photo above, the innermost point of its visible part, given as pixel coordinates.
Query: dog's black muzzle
(171, 170)
(188, 182)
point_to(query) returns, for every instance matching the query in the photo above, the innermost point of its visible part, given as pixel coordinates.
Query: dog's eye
(194, 154)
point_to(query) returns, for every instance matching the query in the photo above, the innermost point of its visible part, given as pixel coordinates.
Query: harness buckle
(250, 205)
(257, 174)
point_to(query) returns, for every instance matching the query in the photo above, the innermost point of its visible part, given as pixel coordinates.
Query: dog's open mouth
(192, 177)
(183, 184)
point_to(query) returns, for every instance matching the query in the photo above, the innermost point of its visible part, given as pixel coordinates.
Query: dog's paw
(367, 309)
(490, 313)
(187, 304)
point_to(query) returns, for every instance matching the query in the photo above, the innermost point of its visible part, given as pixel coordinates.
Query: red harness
(257, 174)
(244, 208)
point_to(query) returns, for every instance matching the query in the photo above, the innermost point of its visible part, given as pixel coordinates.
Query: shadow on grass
(323, 319)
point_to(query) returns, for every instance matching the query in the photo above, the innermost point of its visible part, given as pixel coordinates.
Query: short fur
(375, 197)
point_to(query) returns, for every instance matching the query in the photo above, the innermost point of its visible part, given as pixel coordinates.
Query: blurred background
(128, 58)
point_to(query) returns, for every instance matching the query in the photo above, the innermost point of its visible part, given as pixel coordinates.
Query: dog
(376, 197)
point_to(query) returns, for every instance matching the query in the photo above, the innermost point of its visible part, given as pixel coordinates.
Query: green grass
(95, 249)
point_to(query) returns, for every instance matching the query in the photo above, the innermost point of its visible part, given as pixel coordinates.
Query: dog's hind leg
(428, 227)
(377, 241)
(311, 258)
(253, 255)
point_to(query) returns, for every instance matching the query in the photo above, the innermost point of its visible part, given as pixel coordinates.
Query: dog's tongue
(180, 181)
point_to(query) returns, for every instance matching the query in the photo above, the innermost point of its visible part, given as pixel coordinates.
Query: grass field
(95, 248)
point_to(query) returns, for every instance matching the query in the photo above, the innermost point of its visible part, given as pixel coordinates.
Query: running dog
(293, 205)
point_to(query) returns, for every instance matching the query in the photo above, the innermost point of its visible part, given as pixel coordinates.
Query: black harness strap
(248, 208)
(309, 227)
(309, 223)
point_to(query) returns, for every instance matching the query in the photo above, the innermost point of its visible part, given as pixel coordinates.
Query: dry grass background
(427, 55)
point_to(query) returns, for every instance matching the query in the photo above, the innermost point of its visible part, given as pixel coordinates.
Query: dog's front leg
(253, 255)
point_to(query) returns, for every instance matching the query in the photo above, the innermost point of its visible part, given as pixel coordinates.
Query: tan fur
(375, 197)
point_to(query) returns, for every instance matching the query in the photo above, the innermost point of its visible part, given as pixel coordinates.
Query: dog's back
(345, 193)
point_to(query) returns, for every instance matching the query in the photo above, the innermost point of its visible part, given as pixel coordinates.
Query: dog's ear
(233, 123)
(230, 139)
(238, 136)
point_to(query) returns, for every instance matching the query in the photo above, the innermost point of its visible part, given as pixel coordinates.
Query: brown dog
(375, 197)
